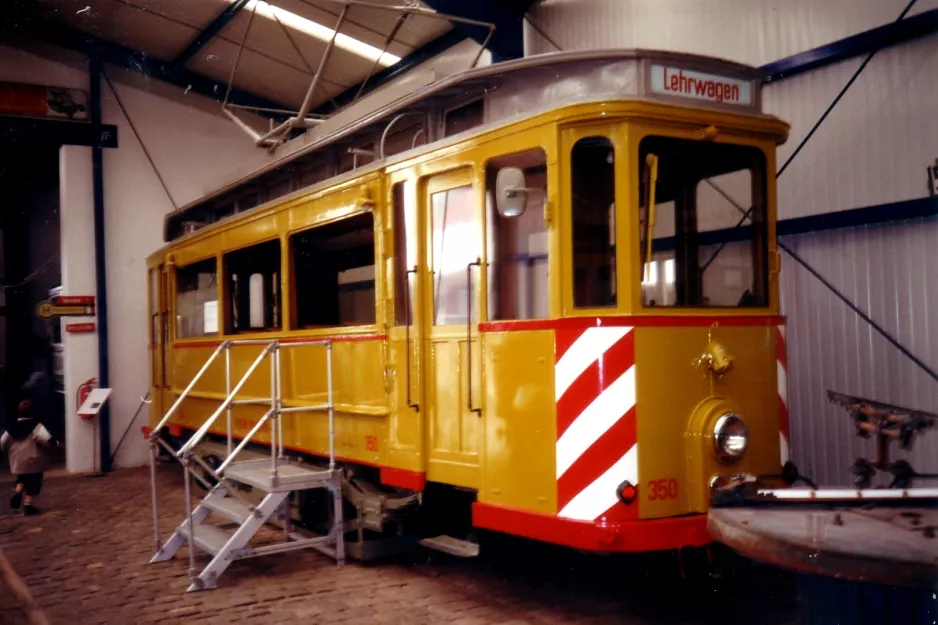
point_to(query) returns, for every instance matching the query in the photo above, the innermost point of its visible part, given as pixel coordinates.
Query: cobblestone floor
(85, 561)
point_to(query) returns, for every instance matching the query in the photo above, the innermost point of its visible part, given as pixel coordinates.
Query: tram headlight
(730, 437)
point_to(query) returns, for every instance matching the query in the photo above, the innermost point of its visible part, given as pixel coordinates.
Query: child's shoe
(15, 500)
(30, 510)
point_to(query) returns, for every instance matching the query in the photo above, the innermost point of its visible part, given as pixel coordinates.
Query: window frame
(618, 134)
(446, 181)
(290, 293)
(227, 323)
(517, 149)
(174, 311)
(633, 249)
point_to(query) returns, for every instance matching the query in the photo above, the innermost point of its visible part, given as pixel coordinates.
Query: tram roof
(537, 83)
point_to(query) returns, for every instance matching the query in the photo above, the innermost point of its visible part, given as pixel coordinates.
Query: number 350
(662, 489)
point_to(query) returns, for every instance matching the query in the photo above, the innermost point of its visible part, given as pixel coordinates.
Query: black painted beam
(884, 36)
(121, 56)
(55, 132)
(217, 25)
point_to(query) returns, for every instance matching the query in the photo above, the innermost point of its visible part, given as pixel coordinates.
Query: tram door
(452, 214)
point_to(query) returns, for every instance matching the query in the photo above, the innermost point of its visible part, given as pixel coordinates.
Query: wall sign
(43, 101)
(73, 300)
(681, 83)
(80, 328)
(47, 310)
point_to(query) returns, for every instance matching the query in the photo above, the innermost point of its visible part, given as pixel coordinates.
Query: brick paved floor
(85, 560)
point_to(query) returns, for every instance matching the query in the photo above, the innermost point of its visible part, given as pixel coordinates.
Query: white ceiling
(278, 60)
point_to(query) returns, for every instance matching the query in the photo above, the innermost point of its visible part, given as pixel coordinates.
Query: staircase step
(207, 537)
(231, 508)
(453, 546)
(256, 474)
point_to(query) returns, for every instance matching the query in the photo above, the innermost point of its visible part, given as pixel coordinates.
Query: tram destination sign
(676, 82)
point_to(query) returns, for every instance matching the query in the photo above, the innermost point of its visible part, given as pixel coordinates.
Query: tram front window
(704, 238)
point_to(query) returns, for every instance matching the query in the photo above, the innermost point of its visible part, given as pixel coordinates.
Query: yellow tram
(551, 287)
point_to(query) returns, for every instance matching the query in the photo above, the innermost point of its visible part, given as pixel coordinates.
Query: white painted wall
(189, 142)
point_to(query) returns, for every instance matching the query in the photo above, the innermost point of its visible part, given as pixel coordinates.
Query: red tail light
(626, 492)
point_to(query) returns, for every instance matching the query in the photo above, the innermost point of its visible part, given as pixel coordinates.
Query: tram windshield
(704, 237)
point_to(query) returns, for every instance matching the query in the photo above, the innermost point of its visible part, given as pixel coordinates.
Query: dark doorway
(29, 269)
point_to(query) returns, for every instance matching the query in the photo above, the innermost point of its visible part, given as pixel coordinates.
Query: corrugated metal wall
(749, 31)
(873, 149)
(889, 271)
(874, 146)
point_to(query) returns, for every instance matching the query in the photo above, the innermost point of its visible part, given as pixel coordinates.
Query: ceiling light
(323, 33)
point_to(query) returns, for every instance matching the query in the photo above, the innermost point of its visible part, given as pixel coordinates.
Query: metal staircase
(276, 477)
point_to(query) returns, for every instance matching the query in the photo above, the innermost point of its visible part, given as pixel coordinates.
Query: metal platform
(258, 474)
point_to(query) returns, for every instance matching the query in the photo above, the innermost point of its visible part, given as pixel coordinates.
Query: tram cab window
(253, 288)
(517, 246)
(708, 241)
(197, 299)
(334, 273)
(594, 227)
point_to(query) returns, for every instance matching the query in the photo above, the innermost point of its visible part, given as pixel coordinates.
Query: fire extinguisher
(84, 389)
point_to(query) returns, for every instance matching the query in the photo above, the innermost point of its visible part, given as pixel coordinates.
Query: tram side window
(197, 299)
(253, 288)
(594, 238)
(405, 258)
(517, 246)
(457, 242)
(334, 273)
(155, 334)
(708, 243)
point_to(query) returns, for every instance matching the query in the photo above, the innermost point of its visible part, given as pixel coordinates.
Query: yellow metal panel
(406, 429)
(674, 437)
(520, 421)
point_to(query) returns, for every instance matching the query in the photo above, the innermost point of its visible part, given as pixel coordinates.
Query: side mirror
(511, 196)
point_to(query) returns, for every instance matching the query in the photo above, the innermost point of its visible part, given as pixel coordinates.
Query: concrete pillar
(80, 357)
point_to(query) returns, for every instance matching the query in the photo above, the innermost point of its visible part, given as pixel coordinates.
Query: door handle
(476, 263)
(415, 406)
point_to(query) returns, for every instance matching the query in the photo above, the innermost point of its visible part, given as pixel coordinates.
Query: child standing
(26, 441)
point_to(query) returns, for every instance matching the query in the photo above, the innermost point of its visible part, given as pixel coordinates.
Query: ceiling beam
(58, 34)
(217, 25)
(508, 40)
(422, 54)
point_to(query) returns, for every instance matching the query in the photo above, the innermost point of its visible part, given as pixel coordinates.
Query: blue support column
(97, 164)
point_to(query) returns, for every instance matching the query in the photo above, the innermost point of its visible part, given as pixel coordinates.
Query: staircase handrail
(198, 376)
(203, 430)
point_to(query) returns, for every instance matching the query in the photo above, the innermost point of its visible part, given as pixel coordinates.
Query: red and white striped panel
(782, 362)
(594, 385)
